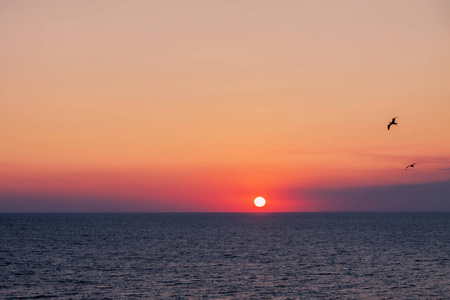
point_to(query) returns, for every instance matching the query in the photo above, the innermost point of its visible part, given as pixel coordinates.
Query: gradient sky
(205, 105)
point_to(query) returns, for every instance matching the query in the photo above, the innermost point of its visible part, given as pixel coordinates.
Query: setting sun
(260, 201)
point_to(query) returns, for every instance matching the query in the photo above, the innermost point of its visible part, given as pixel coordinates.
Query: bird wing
(407, 167)
(389, 125)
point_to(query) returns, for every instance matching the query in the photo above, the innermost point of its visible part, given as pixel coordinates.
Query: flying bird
(412, 166)
(392, 123)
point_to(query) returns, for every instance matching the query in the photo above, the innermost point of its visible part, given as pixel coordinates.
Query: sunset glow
(198, 106)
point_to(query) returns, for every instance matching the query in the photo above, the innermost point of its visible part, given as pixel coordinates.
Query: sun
(260, 201)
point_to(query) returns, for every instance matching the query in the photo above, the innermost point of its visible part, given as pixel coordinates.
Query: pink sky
(205, 105)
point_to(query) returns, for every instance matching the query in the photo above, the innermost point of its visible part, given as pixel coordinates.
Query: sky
(201, 106)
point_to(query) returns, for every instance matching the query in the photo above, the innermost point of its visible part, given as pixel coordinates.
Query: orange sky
(204, 105)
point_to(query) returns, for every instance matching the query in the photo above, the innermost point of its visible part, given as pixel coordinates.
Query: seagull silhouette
(412, 166)
(392, 123)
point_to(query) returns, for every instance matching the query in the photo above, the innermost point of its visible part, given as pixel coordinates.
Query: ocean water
(225, 256)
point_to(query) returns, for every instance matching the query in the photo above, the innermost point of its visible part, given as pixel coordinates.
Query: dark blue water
(252, 256)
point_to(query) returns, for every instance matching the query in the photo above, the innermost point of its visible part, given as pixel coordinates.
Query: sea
(225, 256)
